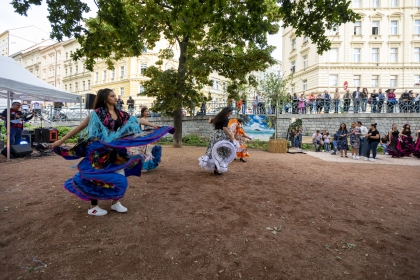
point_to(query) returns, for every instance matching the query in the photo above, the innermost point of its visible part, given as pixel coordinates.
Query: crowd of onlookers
(362, 142)
(358, 101)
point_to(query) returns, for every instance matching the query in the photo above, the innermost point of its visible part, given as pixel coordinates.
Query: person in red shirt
(17, 118)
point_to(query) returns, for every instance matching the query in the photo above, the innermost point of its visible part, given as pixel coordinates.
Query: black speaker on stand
(90, 101)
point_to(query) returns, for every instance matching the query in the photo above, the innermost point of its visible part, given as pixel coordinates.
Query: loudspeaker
(90, 101)
(27, 138)
(18, 151)
(42, 135)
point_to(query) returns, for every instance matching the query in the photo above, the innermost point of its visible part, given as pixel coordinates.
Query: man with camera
(17, 118)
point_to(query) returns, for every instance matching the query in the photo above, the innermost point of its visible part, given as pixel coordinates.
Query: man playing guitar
(17, 118)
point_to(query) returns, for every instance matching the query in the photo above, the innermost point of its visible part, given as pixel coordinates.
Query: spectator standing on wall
(405, 97)
(381, 100)
(365, 95)
(319, 103)
(258, 98)
(327, 102)
(346, 101)
(417, 103)
(312, 102)
(411, 102)
(301, 104)
(254, 105)
(391, 100)
(374, 102)
(363, 144)
(295, 100)
(357, 95)
(203, 107)
(130, 103)
(336, 100)
(120, 103)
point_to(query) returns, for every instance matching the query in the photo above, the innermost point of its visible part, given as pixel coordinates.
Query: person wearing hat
(391, 100)
(357, 95)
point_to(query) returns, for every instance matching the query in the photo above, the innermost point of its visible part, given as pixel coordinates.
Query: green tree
(226, 36)
(275, 91)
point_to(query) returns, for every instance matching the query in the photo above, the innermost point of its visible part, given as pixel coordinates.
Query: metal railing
(319, 106)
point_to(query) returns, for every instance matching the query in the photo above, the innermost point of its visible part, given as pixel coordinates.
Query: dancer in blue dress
(102, 172)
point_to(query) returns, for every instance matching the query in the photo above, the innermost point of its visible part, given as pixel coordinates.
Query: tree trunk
(177, 139)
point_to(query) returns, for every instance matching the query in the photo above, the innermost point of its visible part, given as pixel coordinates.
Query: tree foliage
(228, 37)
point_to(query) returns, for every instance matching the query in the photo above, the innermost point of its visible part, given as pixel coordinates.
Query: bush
(194, 140)
(63, 130)
(257, 144)
(165, 140)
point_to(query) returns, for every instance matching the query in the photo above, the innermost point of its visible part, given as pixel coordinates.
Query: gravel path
(380, 158)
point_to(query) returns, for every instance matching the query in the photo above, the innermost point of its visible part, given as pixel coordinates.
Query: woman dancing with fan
(220, 151)
(102, 172)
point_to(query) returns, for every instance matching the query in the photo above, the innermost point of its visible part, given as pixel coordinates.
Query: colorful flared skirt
(99, 175)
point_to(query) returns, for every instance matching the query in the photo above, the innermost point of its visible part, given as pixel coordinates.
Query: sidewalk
(380, 158)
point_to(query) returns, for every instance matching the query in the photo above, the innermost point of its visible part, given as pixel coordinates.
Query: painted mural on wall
(259, 127)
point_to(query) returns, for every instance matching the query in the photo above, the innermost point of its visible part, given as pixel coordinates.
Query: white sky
(37, 16)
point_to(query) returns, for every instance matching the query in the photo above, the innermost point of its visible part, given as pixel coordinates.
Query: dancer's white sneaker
(118, 207)
(97, 211)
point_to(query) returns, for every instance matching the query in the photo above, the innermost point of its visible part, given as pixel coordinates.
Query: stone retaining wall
(331, 122)
(198, 124)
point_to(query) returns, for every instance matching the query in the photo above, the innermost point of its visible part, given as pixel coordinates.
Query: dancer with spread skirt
(105, 165)
(407, 143)
(394, 144)
(220, 151)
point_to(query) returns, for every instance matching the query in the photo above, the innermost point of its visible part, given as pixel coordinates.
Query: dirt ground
(277, 216)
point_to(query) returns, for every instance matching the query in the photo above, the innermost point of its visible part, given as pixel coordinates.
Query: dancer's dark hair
(101, 97)
(142, 111)
(222, 115)
(374, 125)
(345, 127)
(405, 128)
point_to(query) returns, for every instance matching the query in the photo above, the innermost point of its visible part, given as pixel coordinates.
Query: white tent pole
(8, 126)
(81, 115)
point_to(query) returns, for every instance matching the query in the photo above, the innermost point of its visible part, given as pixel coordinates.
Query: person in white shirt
(363, 131)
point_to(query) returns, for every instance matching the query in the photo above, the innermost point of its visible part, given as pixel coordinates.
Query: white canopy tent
(18, 83)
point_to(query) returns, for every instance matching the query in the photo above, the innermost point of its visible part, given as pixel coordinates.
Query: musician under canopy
(17, 118)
